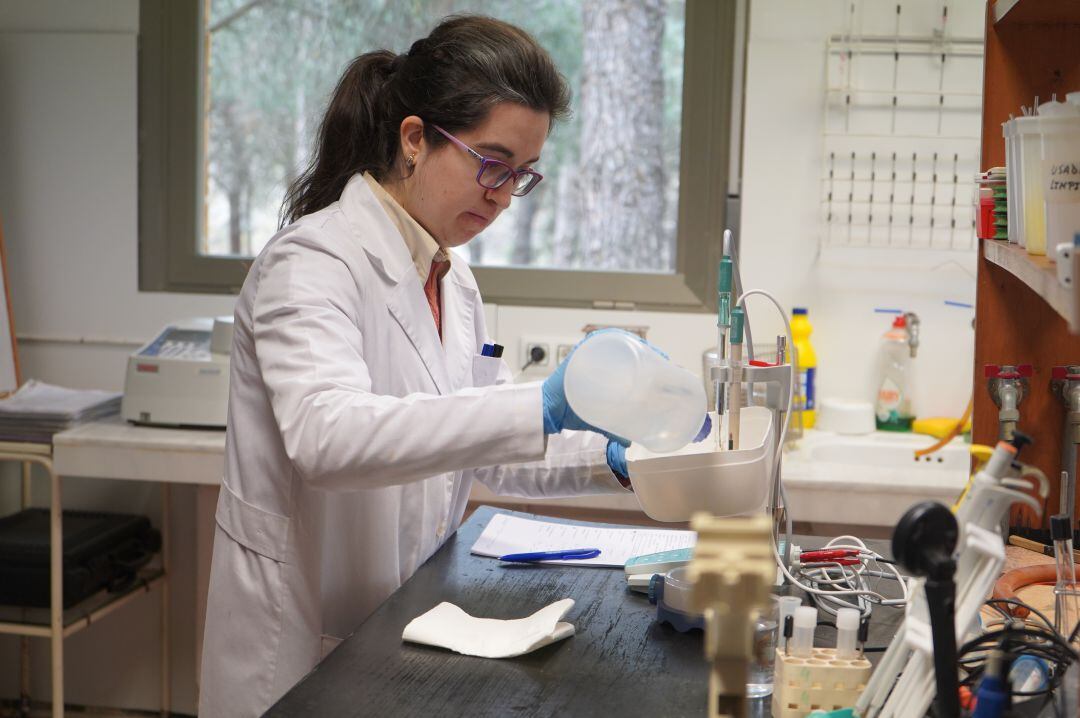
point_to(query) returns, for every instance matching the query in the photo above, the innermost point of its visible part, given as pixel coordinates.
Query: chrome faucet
(912, 321)
(1008, 385)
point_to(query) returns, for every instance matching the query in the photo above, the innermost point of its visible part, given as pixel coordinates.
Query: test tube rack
(820, 681)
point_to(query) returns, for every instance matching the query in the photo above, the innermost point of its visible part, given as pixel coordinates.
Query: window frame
(171, 56)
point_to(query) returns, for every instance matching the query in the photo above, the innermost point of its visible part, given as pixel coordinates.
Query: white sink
(884, 450)
(871, 479)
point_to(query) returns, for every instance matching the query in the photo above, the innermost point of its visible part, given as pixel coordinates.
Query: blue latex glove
(557, 412)
(616, 459)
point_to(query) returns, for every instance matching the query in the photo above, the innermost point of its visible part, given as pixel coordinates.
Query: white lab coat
(353, 439)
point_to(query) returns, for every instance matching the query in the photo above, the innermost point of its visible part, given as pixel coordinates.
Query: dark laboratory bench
(619, 662)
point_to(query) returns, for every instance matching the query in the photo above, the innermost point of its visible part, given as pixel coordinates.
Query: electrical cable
(854, 581)
(1016, 637)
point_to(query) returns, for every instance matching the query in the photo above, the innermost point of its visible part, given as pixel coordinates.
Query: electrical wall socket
(527, 346)
(555, 350)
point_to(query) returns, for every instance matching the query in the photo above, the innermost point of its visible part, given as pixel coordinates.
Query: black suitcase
(101, 551)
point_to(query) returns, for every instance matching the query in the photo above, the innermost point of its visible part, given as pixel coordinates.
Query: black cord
(1016, 602)
(1016, 638)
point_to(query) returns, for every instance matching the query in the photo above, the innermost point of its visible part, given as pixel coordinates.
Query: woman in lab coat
(360, 407)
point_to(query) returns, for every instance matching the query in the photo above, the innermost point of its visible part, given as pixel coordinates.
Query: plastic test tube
(787, 607)
(1067, 612)
(802, 642)
(847, 632)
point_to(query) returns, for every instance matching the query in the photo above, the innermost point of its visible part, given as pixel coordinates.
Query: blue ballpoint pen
(572, 554)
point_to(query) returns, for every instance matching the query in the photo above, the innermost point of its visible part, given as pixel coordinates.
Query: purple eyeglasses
(494, 173)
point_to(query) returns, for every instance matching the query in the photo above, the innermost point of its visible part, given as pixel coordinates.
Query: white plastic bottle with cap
(620, 384)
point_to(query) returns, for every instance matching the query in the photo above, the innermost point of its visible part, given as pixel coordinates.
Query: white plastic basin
(698, 477)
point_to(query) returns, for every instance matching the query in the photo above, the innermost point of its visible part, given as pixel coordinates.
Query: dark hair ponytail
(451, 78)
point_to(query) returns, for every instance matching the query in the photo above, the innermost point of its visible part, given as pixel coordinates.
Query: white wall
(781, 213)
(68, 204)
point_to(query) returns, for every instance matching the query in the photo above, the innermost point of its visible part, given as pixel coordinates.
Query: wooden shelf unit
(1037, 272)
(1040, 12)
(1032, 49)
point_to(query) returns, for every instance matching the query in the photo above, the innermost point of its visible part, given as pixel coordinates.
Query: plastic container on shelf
(673, 486)
(1012, 178)
(617, 383)
(984, 223)
(1032, 214)
(1060, 179)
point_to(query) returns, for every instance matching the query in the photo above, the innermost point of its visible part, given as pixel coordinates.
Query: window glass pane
(609, 198)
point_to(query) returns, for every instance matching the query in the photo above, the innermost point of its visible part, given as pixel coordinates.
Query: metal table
(620, 661)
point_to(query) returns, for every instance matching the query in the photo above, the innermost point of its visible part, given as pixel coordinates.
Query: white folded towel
(447, 626)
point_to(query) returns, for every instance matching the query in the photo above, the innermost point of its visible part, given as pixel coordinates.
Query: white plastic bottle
(892, 403)
(617, 383)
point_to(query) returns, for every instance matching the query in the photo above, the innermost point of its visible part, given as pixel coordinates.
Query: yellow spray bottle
(805, 398)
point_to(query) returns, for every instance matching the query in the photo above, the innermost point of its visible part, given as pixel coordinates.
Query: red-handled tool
(828, 554)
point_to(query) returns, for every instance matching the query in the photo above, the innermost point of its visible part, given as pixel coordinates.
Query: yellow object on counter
(938, 426)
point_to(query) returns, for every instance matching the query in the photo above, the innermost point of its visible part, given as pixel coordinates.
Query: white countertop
(821, 484)
(115, 449)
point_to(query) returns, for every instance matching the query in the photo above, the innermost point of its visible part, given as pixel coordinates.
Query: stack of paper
(37, 410)
(507, 534)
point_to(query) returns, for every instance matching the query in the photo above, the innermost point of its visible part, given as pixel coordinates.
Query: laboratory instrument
(671, 594)
(810, 679)
(181, 377)
(660, 562)
(731, 575)
(924, 542)
(1065, 383)
(902, 686)
(1066, 590)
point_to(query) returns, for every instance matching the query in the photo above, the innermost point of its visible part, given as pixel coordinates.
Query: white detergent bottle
(617, 383)
(892, 403)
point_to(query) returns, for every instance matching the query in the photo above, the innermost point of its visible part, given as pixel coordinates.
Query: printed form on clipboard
(507, 534)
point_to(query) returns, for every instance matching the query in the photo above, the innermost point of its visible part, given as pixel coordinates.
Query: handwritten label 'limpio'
(1062, 180)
